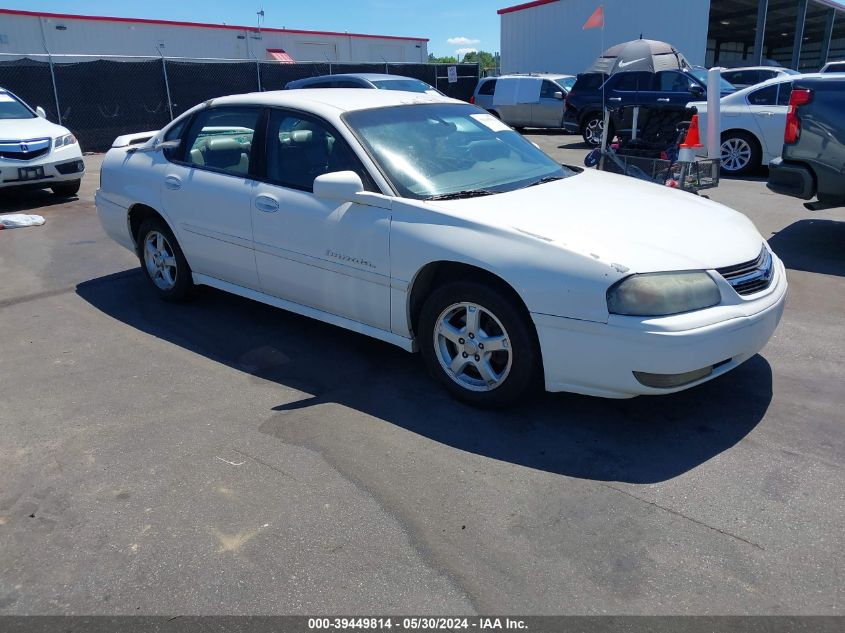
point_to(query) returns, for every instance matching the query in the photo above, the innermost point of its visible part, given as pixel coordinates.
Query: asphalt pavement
(223, 456)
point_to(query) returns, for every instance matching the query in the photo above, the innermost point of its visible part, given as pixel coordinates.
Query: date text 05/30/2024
(416, 623)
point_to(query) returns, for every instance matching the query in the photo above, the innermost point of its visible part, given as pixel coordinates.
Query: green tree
(441, 60)
(482, 58)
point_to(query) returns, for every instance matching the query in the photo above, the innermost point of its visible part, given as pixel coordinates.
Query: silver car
(545, 111)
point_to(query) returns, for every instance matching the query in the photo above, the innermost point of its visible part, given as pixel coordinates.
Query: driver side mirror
(40, 112)
(341, 186)
(697, 91)
(559, 95)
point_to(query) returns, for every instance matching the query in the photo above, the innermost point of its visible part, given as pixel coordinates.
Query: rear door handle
(173, 182)
(664, 100)
(614, 99)
(266, 204)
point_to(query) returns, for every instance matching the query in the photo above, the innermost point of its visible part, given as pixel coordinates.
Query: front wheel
(163, 262)
(478, 344)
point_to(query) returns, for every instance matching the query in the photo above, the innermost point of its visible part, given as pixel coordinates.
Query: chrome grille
(25, 150)
(750, 277)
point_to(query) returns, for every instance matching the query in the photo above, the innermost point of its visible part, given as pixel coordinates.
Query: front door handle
(664, 100)
(266, 204)
(173, 182)
(614, 98)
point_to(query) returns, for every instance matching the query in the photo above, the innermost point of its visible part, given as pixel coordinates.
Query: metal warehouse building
(28, 32)
(546, 35)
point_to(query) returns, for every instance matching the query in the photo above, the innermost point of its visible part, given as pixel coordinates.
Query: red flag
(596, 20)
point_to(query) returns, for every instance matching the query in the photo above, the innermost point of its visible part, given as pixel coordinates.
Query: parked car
(813, 142)
(752, 124)
(725, 87)
(583, 114)
(546, 112)
(34, 152)
(363, 80)
(833, 67)
(753, 75)
(432, 225)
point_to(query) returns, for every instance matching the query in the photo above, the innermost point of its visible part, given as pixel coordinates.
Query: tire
(163, 262)
(591, 128)
(741, 153)
(484, 378)
(67, 189)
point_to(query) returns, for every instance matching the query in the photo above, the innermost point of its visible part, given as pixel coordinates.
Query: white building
(547, 35)
(23, 32)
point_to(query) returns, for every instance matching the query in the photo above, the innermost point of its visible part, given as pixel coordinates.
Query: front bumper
(791, 179)
(600, 359)
(60, 165)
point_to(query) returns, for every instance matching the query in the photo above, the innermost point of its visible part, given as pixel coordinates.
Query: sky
(450, 25)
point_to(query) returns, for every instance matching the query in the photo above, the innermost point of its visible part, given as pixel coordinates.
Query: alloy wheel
(160, 260)
(472, 347)
(593, 131)
(736, 154)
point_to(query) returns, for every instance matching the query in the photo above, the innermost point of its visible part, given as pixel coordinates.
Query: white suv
(35, 153)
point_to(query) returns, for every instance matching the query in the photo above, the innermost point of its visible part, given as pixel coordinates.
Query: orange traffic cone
(692, 138)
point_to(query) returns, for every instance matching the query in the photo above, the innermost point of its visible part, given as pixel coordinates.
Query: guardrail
(101, 97)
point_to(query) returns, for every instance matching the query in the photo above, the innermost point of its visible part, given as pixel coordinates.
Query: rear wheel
(476, 343)
(741, 154)
(592, 128)
(66, 189)
(163, 262)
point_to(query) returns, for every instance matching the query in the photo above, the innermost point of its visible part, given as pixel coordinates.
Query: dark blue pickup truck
(812, 164)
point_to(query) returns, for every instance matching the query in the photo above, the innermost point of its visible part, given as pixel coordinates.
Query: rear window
(487, 87)
(589, 81)
(764, 96)
(837, 67)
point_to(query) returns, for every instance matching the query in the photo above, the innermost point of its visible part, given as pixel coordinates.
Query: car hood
(629, 224)
(25, 129)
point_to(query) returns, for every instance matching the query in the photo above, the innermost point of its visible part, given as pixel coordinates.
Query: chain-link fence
(101, 98)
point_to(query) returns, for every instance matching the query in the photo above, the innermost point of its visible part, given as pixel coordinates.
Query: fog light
(667, 381)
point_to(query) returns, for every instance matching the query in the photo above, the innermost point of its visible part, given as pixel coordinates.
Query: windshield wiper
(544, 180)
(455, 195)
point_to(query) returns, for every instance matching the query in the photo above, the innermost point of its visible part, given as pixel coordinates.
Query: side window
(764, 96)
(345, 83)
(221, 139)
(784, 93)
(548, 90)
(487, 87)
(669, 81)
(300, 148)
(766, 74)
(633, 82)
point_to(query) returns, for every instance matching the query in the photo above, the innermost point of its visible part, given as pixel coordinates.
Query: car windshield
(566, 82)
(724, 84)
(443, 149)
(11, 108)
(409, 85)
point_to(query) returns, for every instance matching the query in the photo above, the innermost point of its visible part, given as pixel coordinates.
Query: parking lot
(226, 457)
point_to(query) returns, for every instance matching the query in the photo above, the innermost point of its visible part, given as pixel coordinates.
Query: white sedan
(34, 153)
(428, 223)
(753, 122)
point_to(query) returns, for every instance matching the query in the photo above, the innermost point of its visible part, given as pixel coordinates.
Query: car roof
(774, 68)
(367, 76)
(337, 100)
(775, 80)
(540, 75)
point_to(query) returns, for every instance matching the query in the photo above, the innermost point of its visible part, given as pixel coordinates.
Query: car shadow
(29, 199)
(813, 245)
(643, 440)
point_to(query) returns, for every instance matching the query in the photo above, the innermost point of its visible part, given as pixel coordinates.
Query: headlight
(661, 294)
(67, 139)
